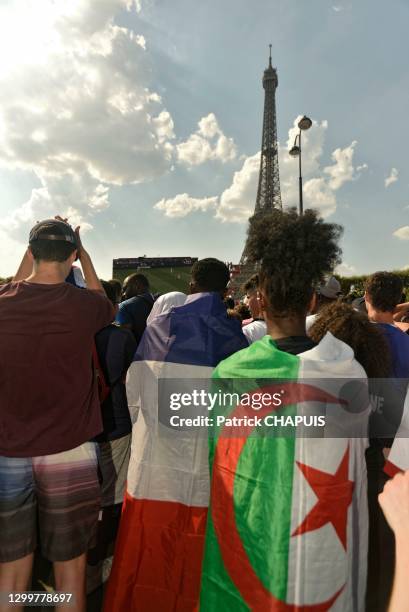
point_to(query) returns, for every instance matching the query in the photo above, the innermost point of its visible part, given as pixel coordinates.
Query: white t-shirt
(255, 331)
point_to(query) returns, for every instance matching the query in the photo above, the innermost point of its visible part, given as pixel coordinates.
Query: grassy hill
(162, 280)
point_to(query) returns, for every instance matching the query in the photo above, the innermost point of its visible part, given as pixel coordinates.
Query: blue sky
(100, 107)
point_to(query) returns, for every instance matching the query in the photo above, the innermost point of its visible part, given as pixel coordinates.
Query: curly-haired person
(370, 347)
(288, 518)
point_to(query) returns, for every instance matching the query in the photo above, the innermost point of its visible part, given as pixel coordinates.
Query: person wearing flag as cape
(287, 522)
(159, 550)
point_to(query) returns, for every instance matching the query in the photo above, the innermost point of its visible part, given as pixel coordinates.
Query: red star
(334, 492)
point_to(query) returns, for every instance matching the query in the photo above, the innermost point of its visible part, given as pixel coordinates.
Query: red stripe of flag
(158, 557)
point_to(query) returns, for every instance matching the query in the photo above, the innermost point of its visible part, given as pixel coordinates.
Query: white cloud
(194, 151)
(73, 196)
(164, 127)
(11, 251)
(208, 126)
(319, 194)
(392, 178)
(183, 204)
(207, 143)
(342, 170)
(237, 202)
(402, 233)
(75, 106)
(345, 269)
(337, 9)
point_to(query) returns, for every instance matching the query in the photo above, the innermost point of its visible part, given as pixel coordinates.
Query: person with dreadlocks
(287, 523)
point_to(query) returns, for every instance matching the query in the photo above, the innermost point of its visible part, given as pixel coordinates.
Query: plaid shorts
(56, 496)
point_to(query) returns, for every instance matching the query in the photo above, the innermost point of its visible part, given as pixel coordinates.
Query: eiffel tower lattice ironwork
(268, 192)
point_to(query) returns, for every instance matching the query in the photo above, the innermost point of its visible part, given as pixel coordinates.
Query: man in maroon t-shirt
(49, 411)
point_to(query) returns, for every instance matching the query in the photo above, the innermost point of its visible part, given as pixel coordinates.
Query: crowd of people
(94, 479)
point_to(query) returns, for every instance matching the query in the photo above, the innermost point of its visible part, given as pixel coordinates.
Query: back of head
(117, 284)
(250, 290)
(327, 292)
(369, 344)
(52, 241)
(111, 291)
(134, 285)
(294, 253)
(384, 290)
(209, 275)
(243, 311)
(250, 285)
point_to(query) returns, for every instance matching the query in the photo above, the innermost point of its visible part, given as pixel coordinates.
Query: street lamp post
(304, 124)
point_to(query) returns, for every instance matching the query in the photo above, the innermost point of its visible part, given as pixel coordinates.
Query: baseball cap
(331, 289)
(52, 229)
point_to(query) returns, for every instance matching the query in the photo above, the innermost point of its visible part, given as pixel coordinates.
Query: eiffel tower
(268, 192)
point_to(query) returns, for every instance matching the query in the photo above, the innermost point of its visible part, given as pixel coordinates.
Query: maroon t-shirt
(48, 395)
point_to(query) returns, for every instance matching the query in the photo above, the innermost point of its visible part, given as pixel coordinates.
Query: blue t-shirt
(133, 313)
(385, 421)
(399, 345)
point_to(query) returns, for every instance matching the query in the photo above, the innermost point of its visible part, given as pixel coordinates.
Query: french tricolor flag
(158, 556)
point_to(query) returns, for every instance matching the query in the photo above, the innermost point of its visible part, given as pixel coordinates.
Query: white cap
(331, 289)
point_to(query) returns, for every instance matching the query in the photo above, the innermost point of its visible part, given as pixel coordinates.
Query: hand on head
(77, 233)
(80, 248)
(63, 219)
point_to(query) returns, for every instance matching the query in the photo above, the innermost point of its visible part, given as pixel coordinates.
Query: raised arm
(25, 268)
(91, 279)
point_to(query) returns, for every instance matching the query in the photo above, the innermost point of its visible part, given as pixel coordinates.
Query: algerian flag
(287, 524)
